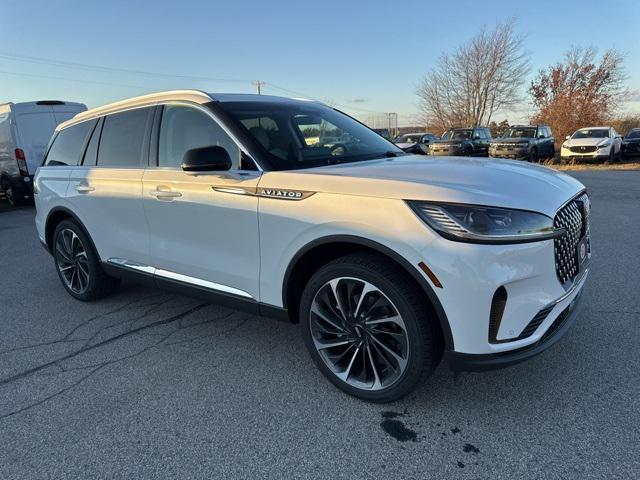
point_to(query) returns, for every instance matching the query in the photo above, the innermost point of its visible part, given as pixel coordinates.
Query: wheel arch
(57, 215)
(318, 252)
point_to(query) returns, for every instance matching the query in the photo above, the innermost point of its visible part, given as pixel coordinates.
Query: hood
(631, 140)
(584, 142)
(480, 181)
(510, 140)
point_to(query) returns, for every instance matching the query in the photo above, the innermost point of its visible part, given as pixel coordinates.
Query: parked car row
(525, 142)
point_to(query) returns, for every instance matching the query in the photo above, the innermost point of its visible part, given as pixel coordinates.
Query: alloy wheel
(72, 261)
(359, 333)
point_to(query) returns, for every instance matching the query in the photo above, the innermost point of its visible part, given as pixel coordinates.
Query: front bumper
(465, 362)
(446, 150)
(512, 153)
(585, 157)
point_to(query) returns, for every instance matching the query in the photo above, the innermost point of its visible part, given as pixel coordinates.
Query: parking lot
(146, 384)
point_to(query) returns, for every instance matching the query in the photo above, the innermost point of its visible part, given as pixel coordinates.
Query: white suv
(387, 260)
(590, 144)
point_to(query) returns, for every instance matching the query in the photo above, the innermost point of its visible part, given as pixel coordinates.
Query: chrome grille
(574, 218)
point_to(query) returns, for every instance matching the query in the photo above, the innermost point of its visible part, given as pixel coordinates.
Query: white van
(25, 131)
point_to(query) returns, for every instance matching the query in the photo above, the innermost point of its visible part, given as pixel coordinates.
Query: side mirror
(567, 137)
(541, 136)
(476, 137)
(206, 159)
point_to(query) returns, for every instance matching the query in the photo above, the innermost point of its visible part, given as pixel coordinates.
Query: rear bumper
(466, 362)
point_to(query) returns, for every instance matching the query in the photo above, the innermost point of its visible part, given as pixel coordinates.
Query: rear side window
(68, 145)
(123, 138)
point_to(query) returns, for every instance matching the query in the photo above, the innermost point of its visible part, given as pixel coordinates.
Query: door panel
(109, 203)
(210, 236)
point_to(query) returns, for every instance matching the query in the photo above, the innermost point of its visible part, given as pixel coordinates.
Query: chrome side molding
(121, 262)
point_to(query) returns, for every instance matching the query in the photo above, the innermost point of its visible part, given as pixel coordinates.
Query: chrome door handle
(165, 194)
(84, 188)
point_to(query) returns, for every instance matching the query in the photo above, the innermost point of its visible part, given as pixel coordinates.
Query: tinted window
(122, 140)
(67, 147)
(306, 134)
(184, 128)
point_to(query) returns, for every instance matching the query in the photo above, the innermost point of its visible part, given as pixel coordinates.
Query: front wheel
(533, 155)
(367, 328)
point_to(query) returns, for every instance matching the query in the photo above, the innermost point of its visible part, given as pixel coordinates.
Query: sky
(364, 57)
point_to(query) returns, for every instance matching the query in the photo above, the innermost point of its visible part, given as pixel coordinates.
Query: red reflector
(22, 162)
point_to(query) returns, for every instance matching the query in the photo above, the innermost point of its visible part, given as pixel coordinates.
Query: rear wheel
(78, 265)
(14, 196)
(367, 328)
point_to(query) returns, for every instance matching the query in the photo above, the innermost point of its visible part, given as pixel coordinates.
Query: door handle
(163, 193)
(83, 188)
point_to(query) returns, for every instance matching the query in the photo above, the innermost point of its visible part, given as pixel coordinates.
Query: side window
(122, 140)
(183, 128)
(68, 145)
(547, 132)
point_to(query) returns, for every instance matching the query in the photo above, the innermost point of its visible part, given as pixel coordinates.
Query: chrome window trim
(218, 287)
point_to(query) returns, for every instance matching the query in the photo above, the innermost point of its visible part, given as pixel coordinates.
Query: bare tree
(468, 86)
(579, 91)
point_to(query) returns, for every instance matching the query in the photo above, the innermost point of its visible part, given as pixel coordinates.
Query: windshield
(519, 132)
(633, 134)
(304, 135)
(457, 134)
(408, 138)
(592, 133)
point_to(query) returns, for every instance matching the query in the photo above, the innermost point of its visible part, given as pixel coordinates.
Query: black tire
(612, 156)
(97, 284)
(533, 156)
(423, 337)
(468, 152)
(14, 197)
(552, 154)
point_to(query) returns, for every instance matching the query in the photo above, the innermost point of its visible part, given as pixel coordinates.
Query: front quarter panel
(287, 226)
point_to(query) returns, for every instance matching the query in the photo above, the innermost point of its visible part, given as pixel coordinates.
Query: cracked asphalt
(147, 384)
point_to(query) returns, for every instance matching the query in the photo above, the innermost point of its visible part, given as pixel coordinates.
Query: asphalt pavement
(147, 384)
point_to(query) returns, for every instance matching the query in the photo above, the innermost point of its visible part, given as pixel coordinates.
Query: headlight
(523, 144)
(480, 224)
(604, 145)
(566, 145)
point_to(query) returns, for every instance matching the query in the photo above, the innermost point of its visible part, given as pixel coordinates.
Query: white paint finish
(51, 185)
(286, 227)
(112, 212)
(204, 233)
(480, 181)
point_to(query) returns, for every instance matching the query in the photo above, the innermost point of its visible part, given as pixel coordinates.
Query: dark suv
(462, 142)
(524, 142)
(631, 143)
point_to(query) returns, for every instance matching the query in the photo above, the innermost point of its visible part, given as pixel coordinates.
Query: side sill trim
(178, 277)
(219, 297)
